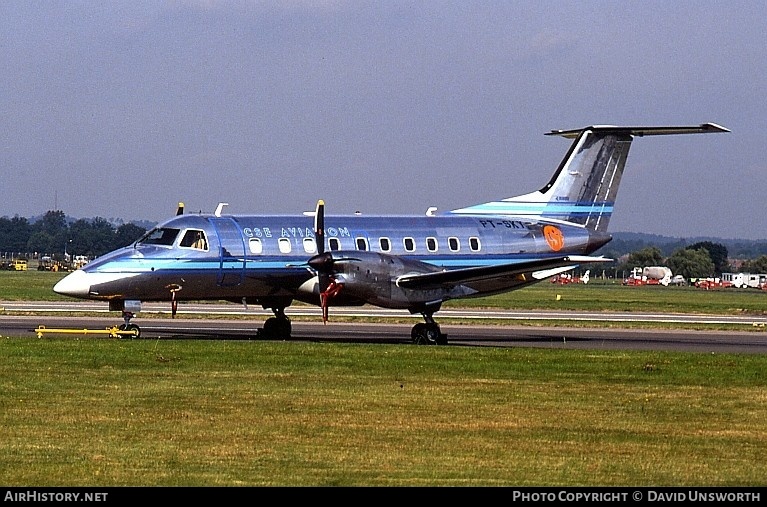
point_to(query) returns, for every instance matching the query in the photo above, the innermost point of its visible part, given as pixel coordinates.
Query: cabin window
(362, 243)
(409, 244)
(194, 238)
(163, 236)
(284, 244)
(385, 244)
(454, 244)
(431, 244)
(310, 246)
(334, 243)
(255, 245)
(474, 244)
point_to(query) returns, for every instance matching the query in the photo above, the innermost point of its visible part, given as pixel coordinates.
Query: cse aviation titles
(343, 231)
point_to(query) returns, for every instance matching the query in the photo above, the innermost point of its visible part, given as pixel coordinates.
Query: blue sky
(124, 108)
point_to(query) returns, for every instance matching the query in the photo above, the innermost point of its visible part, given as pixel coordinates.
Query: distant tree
(691, 263)
(14, 234)
(717, 252)
(80, 236)
(102, 237)
(758, 265)
(127, 234)
(649, 256)
(52, 223)
(92, 237)
(50, 234)
(43, 243)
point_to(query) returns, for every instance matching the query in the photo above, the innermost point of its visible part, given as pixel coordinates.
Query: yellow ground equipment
(16, 265)
(113, 332)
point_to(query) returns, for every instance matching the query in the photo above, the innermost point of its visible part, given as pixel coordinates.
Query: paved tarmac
(749, 335)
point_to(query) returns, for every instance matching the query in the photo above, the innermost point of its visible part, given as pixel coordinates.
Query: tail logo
(554, 237)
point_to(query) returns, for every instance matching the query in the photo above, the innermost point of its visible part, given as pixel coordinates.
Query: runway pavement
(749, 336)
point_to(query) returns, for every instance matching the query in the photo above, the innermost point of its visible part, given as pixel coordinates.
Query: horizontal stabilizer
(642, 131)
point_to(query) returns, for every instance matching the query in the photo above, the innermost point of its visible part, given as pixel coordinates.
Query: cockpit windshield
(161, 236)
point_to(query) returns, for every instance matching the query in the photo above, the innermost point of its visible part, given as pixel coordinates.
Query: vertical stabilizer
(583, 189)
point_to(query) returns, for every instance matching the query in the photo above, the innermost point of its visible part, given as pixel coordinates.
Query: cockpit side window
(162, 236)
(194, 238)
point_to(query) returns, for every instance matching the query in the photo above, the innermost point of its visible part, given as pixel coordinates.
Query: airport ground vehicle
(50, 264)
(78, 261)
(743, 280)
(16, 265)
(711, 283)
(651, 275)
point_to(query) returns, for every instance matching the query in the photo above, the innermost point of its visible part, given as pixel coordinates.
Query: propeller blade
(326, 295)
(180, 209)
(319, 226)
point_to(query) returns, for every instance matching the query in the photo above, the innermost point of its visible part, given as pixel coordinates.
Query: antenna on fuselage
(180, 209)
(220, 208)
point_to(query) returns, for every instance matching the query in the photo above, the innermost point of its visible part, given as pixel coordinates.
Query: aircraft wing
(522, 272)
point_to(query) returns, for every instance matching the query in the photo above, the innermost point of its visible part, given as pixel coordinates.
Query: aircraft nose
(75, 284)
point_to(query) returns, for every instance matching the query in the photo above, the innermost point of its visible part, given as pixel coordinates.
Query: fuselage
(263, 259)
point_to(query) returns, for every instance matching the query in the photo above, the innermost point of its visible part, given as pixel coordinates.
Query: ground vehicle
(17, 265)
(712, 283)
(742, 280)
(79, 261)
(50, 264)
(567, 278)
(651, 275)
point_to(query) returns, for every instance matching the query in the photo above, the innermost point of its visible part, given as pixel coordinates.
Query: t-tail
(583, 189)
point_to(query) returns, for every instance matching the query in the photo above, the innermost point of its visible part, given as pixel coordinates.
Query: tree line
(699, 260)
(56, 236)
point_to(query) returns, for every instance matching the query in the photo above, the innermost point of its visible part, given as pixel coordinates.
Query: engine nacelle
(372, 277)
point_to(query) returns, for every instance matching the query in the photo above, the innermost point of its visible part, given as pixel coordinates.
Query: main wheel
(277, 329)
(426, 334)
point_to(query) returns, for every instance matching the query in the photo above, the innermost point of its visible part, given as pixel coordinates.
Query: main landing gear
(428, 333)
(277, 327)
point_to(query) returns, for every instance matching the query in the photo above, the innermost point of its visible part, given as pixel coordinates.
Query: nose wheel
(127, 326)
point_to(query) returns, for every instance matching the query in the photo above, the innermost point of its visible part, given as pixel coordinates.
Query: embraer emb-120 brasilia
(403, 262)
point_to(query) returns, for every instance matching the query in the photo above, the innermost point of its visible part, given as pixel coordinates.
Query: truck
(568, 278)
(650, 275)
(17, 265)
(659, 274)
(745, 280)
(48, 263)
(79, 261)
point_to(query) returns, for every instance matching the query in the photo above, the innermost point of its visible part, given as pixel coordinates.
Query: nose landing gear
(127, 326)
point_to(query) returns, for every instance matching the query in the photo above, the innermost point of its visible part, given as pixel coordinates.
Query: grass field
(220, 413)
(104, 412)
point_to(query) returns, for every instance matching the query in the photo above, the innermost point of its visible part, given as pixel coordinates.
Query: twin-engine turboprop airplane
(407, 262)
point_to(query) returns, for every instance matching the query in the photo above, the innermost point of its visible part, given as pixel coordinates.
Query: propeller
(180, 209)
(323, 263)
